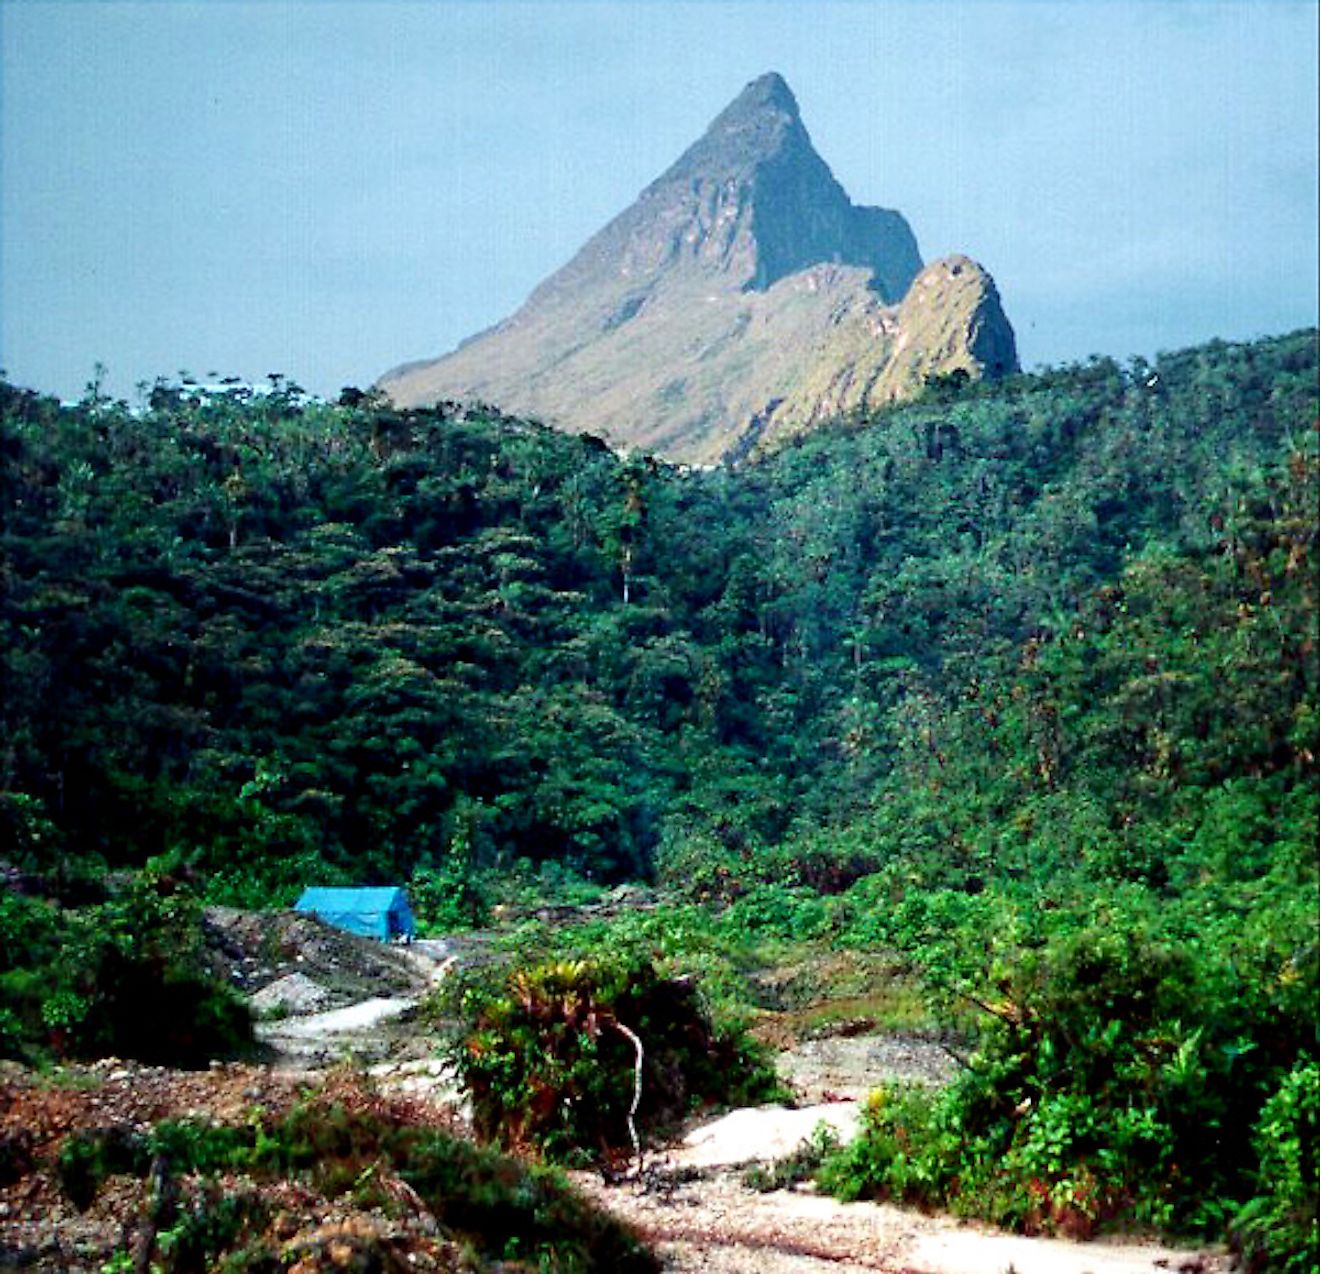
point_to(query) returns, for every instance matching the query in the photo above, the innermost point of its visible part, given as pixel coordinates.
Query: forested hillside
(1016, 681)
(286, 640)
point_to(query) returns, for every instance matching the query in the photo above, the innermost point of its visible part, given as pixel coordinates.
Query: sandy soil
(356, 1017)
(760, 1134)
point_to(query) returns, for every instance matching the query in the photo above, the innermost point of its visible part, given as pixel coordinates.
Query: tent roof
(344, 898)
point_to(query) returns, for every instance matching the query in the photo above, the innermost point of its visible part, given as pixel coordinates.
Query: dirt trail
(322, 996)
(696, 1211)
(715, 1225)
(315, 1039)
(693, 1207)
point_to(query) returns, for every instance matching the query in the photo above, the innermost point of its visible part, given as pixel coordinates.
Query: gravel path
(318, 1039)
(696, 1212)
(714, 1225)
(361, 1030)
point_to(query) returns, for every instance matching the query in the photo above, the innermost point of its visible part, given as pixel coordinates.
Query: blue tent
(375, 913)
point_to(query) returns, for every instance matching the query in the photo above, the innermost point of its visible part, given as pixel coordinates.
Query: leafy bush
(126, 977)
(797, 1166)
(903, 1152)
(547, 1054)
(776, 911)
(87, 1159)
(507, 1203)
(1279, 1229)
(29, 930)
(1119, 1073)
(702, 868)
(447, 898)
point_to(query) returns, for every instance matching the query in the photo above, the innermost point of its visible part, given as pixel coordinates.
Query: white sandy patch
(762, 1133)
(716, 1226)
(357, 1017)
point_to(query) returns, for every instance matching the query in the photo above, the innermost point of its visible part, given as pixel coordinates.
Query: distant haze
(327, 190)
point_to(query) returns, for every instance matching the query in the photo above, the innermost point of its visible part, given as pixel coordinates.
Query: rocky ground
(340, 1011)
(43, 1230)
(835, 1068)
(293, 961)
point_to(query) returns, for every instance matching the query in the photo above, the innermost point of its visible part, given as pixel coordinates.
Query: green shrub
(447, 898)
(86, 1159)
(496, 1200)
(776, 911)
(11, 1033)
(799, 1165)
(1278, 1229)
(125, 977)
(22, 994)
(546, 1053)
(908, 1150)
(211, 1225)
(700, 867)
(29, 930)
(1120, 1070)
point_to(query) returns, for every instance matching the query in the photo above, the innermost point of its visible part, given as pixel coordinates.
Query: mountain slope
(742, 296)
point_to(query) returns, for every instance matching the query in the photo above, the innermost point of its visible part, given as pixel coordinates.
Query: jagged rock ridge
(741, 297)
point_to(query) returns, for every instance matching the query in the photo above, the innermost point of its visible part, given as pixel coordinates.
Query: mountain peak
(759, 125)
(743, 285)
(753, 201)
(771, 85)
(766, 93)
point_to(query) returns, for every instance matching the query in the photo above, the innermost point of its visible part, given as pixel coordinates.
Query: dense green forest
(1018, 681)
(288, 640)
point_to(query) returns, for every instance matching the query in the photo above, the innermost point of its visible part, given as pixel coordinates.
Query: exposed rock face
(741, 297)
(949, 321)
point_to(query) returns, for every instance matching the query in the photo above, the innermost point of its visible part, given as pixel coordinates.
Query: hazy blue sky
(327, 189)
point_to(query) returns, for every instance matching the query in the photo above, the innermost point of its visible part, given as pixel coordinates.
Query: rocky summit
(741, 298)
